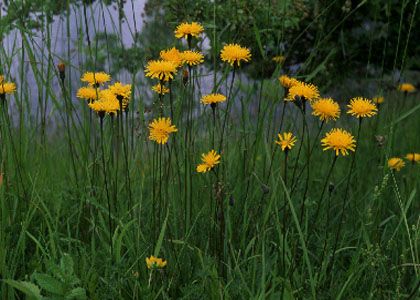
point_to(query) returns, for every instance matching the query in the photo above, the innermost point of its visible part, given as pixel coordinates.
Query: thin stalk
(101, 118)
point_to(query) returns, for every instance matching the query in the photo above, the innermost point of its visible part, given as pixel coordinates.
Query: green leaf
(161, 235)
(49, 283)
(77, 293)
(29, 289)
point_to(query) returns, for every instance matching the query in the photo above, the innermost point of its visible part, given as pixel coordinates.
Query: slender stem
(228, 106)
(101, 118)
(324, 188)
(345, 198)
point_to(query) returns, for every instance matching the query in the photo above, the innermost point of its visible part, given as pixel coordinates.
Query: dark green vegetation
(280, 238)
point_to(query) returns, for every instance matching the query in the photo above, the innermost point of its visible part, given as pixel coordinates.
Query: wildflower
(61, 70)
(326, 109)
(396, 163)
(303, 91)
(160, 89)
(192, 58)
(88, 93)
(287, 82)
(153, 262)
(339, 140)
(213, 99)
(378, 100)
(160, 69)
(95, 79)
(413, 157)
(160, 129)
(286, 141)
(188, 30)
(122, 92)
(173, 55)
(234, 53)
(209, 161)
(406, 87)
(7, 88)
(279, 59)
(362, 107)
(107, 103)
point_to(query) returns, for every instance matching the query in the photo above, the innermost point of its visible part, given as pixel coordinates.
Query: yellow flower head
(378, 100)
(339, 140)
(209, 161)
(362, 107)
(95, 79)
(107, 103)
(192, 58)
(153, 262)
(7, 88)
(305, 91)
(396, 163)
(160, 89)
(173, 55)
(279, 59)
(188, 30)
(326, 109)
(413, 157)
(121, 91)
(286, 141)
(234, 53)
(406, 87)
(160, 69)
(88, 93)
(287, 82)
(160, 129)
(213, 99)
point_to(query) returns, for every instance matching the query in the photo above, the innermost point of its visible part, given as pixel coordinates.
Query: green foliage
(59, 282)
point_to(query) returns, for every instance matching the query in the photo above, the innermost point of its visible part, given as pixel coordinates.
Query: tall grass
(84, 199)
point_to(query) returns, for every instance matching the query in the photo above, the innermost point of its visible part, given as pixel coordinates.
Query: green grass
(241, 232)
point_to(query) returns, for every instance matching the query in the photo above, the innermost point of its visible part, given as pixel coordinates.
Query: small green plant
(59, 282)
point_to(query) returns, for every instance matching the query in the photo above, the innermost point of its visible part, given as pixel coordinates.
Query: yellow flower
(121, 91)
(88, 93)
(326, 109)
(7, 88)
(378, 100)
(209, 161)
(160, 89)
(1, 78)
(160, 129)
(286, 141)
(188, 30)
(234, 53)
(305, 91)
(406, 87)
(339, 140)
(287, 82)
(107, 103)
(153, 262)
(396, 163)
(173, 55)
(160, 69)
(413, 157)
(95, 79)
(279, 59)
(213, 99)
(362, 107)
(192, 58)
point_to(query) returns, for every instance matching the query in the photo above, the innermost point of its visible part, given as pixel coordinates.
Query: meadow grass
(85, 199)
